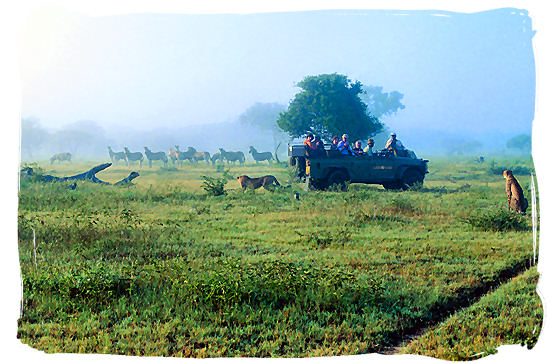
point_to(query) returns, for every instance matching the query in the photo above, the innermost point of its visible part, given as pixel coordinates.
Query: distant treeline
(87, 139)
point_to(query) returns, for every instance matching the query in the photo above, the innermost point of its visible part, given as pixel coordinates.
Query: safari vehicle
(332, 169)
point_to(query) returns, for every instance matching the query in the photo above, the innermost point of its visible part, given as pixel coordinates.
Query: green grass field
(163, 269)
(511, 314)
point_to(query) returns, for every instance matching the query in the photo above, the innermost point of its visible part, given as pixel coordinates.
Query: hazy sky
(473, 72)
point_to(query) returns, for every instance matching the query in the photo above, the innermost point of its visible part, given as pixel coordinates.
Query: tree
(85, 137)
(33, 135)
(457, 147)
(264, 117)
(521, 142)
(380, 103)
(329, 105)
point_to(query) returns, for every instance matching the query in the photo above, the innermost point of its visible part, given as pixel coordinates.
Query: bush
(82, 285)
(31, 172)
(518, 170)
(498, 220)
(216, 186)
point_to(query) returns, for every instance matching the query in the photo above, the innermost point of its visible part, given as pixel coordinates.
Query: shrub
(518, 170)
(216, 186)
(31, 172)
(498, 220)
(85, 284)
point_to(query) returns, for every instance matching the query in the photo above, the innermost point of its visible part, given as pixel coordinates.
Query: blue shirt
(344, 148)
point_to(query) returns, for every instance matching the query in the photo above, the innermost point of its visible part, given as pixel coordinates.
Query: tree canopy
(263, 116)
(521, 142)
(380, 103)
(32, 135)
(328, 105)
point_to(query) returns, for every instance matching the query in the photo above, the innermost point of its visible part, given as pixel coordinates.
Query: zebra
(133, 156)
(215, 157)
(232, 156)
(173, 154)
(181, 156)
(116, 156)
(199, 156)
(258, 157)
(155, 156)
(60, 157)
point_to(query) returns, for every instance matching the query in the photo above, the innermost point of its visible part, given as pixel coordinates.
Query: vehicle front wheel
(412, 177)
(392, 186)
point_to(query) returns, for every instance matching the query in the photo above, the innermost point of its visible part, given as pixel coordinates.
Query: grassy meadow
(164, 269)
(511, 314)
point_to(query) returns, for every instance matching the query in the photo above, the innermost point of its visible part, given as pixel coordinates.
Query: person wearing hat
(344, 146)
(393, 144)
(369, 149)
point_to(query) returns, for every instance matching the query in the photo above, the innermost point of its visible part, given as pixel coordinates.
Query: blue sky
(470, 72)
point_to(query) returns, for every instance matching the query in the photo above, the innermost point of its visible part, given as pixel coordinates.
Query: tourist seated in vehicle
(318, 142)
(369, 149)
(344, 147)
(394, 145)
(310, 146)
(357, 149)
(319, 147)
(335, 141)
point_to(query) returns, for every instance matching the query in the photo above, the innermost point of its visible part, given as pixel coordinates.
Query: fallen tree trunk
(28, 172)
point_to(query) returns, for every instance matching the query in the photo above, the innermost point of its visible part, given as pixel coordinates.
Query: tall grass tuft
(400, 205)
(497, 220)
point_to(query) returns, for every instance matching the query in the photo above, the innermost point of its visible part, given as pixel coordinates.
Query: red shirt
(309, 144)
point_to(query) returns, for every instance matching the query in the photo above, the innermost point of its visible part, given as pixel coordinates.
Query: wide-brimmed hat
(393, 134)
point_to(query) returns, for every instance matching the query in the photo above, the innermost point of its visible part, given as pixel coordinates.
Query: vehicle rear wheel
(392, 186)
(338, 180)
(315, 184)
(412, 177)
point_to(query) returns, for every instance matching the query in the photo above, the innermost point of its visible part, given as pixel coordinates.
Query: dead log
(89, 176)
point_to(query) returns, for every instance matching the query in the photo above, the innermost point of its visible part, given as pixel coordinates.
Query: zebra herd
(191, 154)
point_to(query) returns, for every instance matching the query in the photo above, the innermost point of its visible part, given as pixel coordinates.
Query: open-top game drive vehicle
(330, 168)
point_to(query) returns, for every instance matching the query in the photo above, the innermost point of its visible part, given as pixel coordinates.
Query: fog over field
(349, 252)
(158, 80)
